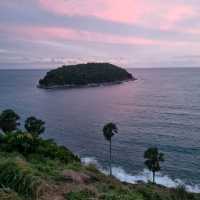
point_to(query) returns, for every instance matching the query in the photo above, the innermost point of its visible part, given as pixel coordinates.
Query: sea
(160, 109)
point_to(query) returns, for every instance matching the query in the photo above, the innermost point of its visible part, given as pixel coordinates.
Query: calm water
(162, 108)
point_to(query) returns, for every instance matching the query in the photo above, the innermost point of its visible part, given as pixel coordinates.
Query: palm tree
(34, 126)
(153, 159)
(109, 130)
(9, 121)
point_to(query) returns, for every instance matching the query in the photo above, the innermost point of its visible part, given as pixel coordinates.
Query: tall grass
(19, 176)
(8, 194)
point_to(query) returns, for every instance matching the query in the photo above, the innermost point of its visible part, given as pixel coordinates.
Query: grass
(33, 177)
(8, 194)
(51, 172)
(80, 195)
(18, 175)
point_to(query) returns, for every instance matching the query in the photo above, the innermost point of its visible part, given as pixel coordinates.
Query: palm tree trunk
(110, 162)
(153, 177)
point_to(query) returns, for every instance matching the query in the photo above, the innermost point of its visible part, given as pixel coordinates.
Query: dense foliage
(9, 120)
(29, 141)
(34, 126)
(18, 148)
(83, 74)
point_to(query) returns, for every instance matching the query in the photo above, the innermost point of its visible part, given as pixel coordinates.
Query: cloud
(141, 30)
(128, 11)
(178, 14)
(156, 22)
(64, 34)
(149, 13)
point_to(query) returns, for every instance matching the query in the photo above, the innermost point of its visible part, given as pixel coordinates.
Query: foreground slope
(34, 168)
(43, 176)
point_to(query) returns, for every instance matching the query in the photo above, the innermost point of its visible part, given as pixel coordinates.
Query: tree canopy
(153, 158)
(9, 120)
(109, 130)
(34, 126)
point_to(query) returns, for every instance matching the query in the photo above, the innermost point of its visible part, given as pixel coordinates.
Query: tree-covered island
(90, 74)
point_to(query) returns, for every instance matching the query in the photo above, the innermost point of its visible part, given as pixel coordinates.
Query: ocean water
(161, 108)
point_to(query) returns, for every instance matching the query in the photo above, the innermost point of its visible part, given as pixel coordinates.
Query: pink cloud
(177, 14)
(60, 34)
(148, 13)
(128, 11)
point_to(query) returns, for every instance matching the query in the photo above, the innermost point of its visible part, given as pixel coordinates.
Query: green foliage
(154, 192)
(34, 126)
(120, 196)
(84, 74)
(180, 193)
(26, 144)
(153, 159)
(150, 193)
(31, 166)
(49, 149)
(85, 194)
(29, 142)
(9, 120)
(74, 165)
(20, 141)
(46, 168)
(115, 191)
(19, 176)
(8, 194)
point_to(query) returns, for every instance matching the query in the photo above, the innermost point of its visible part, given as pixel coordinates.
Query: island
(85, 75)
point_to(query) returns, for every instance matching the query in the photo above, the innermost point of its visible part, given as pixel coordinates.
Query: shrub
(34, 126)
(9, 120)
(113, 195)
(84, 194)
(180, 193)
(50, 149)
(21, 142)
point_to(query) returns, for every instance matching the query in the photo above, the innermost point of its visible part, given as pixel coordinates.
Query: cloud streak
(64, 34)
(143, 12)
(147, 29)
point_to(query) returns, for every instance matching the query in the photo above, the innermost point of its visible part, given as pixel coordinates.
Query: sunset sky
(131, 33)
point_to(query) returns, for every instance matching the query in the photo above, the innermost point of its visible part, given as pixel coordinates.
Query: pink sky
(141, 12)
(153, 29)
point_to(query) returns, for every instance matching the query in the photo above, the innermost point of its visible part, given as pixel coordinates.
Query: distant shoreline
(73, 86)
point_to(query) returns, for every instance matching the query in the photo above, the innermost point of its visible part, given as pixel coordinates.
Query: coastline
(73, 86)
(143, 177)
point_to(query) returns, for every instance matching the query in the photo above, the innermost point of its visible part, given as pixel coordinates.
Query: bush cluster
(27, 142)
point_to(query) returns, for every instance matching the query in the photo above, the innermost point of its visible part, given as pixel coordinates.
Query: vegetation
(84, 74)
(153, 159)
(109, 130)
(9, 121)
(32, 168)
(26, 159)
(34, 126)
